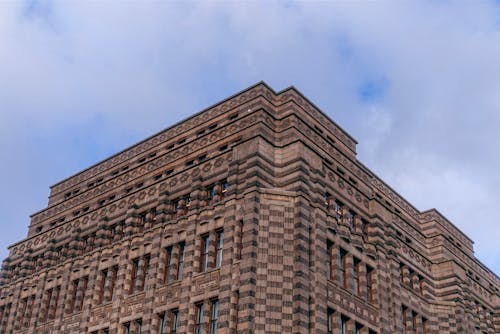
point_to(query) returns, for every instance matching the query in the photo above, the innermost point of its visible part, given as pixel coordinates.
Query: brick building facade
(252, 216)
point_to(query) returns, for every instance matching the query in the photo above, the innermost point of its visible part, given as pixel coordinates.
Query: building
(252, 216)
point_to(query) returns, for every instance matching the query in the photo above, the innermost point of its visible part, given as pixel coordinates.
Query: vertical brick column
(79, 295)
(415, 282)
(350, 326)
(418, 322)
(43, 315)
(175, 263)
(226, 288)
(336, 265)
(186, 309)
(131, 221)
(54, 295)
(162, 208)
(405, 272)
(139, 280)
(320, 275)
(386, 293)
(70, 303)
(99, 287)
(349, 271)
(362, 281)
(211, 250)
(107, 280)
(296, 232)
(248, 266)
(161, 260)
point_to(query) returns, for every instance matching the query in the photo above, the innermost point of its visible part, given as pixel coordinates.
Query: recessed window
(214, 314)
(233, 117)
(343, 268)
(204, 253)
(219, 243)
(180, 262)
(198, 327)
(223, 148)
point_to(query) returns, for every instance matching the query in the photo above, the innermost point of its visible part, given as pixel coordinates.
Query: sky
(417, 83)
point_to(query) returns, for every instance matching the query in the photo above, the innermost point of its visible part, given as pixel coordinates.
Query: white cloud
(81, 80)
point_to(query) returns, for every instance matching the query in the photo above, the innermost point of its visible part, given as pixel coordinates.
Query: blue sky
(416, 83)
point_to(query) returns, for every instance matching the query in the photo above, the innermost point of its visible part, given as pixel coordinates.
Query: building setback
(252, 216)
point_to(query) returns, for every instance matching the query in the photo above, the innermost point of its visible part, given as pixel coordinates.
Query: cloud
(415, 82)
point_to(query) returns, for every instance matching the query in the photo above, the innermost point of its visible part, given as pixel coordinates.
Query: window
(350, 219)
(168, 265)
(219, 244)
(342, 266)
(100, 296)
(343, 324)
(214, 313)
(236, 316)
(4, 315)
(240, 238)
(199, 319)
(112, 282)
(138, 325)
(161, 317)
(331, 259)
(84, 283)
(369, 284)
(204, 253)
(355, 273)
(135, 270)
(175, 321)
(180, 262)
(327, 200)
(404, 310)
(424, 326)
(24, 306)
(145, 272)
(31, 304)
(329, 321)
(139, 277)
(126, 328)
(74, 287)
(224, 188)
(414, 318)
(210, 193)
(338, 210)
(412, 281)
(52, 304)
(358, 328)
